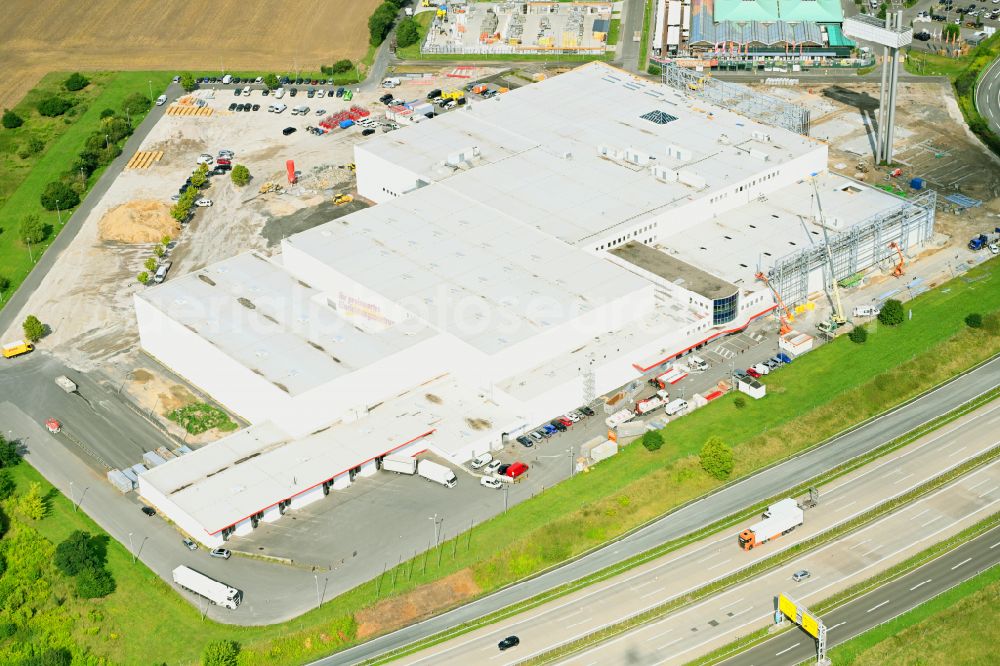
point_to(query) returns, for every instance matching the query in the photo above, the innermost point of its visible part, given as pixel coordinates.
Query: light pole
(151, 91)
(435, 519)
(59, 212)
(131, 547)
(505, 487)
(72, 497)
(316, 578)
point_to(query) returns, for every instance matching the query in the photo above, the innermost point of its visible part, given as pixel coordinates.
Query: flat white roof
(280, 328)
(736, 244)
(229, 480)
(538, 150)
(466, 267)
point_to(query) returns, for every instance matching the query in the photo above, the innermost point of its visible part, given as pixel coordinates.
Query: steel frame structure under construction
(860, 247)
(738, 98)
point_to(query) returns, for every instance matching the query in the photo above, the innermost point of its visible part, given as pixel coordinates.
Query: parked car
(293, 92)
(161, 100)
(565, 421)
(509, 642)
(205, 158)
(480, 461)
(493, 466)
(535, 435)
(368, 131)
(753, 373)
(320, 94)
(490, 482)
(203, 203)
(222, 161)
(320, 112)
(558, 426)
(525, 441)
(256, 107)
(221, 553)
(288, 130)
(587, 410)
(149, 511)
(573, 417)
(191, 545)
(340, 93)
(228, 154)
(548, 430)
(514, 470)
(800, 575)
(232, 107)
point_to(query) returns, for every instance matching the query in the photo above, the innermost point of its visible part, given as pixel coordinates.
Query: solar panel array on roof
(658, 117)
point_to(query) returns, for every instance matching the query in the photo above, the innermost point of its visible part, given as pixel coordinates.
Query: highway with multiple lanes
(718, 556)
(693, 516)
(988, 95)
(881, 604)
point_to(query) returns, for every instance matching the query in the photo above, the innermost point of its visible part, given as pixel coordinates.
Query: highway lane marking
(965, 561)
(858, 545)
(919, 584)
(984, 481)
(778, 654)
(836, 625)
(932, 520)
(732, 604)
(642, 585)
(745, 610)
(662, 633)
(920, 514)
(650, 594)
(878, 606)
(991, 490)
(673, 642)
(849, 504)
(903, 478)
(995, 545)
(706, 559)
(576, 624)
(957, 451)
(716, 566)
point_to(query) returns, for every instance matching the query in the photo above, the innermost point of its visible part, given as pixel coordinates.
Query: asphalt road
(671, 576)
(881, 604)
(12, 309)
(693, 516)
(988, 95)
(632, 15)
(698, 629)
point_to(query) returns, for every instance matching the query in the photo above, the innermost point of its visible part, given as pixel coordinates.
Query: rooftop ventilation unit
(692, 180)
(678, 153)
(633, 156)
(663, 174)
(724, 139)
(464, 156)
(760, 155)
(762, 136)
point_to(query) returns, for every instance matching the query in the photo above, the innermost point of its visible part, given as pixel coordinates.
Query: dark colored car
(149, 511)
(298, 82)
(587, 411)
(292, 92)
(236, 93)
(502, 469)
(509, 642)
(340, 93)
(246, 107)
(256, 107)
(288, 130)
(922, 36)
(385, 99)
(367, 132)
(558, 426)
(265, 92)
(310, 93)
(525, 441)
(232, 107)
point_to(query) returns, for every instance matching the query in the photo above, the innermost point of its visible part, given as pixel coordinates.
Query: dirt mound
(417, 604)
(138, 222)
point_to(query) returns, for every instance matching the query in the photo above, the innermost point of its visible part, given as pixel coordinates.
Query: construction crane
(897, 270)
(837, 318)
(785, 318)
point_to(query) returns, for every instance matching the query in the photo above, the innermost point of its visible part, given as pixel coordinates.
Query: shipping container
(120, 481)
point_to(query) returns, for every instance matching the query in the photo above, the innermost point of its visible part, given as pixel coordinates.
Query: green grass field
(956, 627)
(614, 32)
(823, 392)
(23, 180)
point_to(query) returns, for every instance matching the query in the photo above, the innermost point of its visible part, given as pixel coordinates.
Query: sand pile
(138, 222)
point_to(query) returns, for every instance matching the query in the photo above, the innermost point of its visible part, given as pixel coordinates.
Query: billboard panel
(810, 624)
(788, 606)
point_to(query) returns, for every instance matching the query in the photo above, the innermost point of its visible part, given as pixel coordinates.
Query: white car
(994, 248)
(490, 482)
(205, 158)
(320, 94)
(228, 154)
(493, 467)
(161, 100)
(478, 462)
(320, 112)
(191, 545)
(204, 203)
(221, 553)
(573, 417)
(246, 91)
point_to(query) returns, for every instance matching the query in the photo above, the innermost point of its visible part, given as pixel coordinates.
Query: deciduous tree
(240, 175)
(32, 505)
(76, 81)
(33, 328)
(79, 551)
(11, 120)
(32, 230)
(891, 313)
(221, 653)
(716, 458)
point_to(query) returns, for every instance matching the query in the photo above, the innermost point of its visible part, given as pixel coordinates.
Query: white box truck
(780, 518)
(400, 464)
(432, 471)
(66, 384)
(675, 407)
(218, 593)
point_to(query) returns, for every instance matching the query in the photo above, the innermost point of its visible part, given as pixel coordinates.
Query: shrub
(716, 458)
(94, 583)
(35, 145)
(240, 175)
(135, 104)
(271, 81)
(159, 251)
(221, 653)
(31, 505)
(7, 629)
(341, 67)
(58, 194)
(107, 113)
(50, 657)
(11, 120)
(53, 106)
(7, 485)
(32, 230)
(150, 264)
(407, 32)
(78, 552)
(188, 82)
(198, 179)
(858, 335)
(652, 440)
(974, 320)
(198, 417)
(739, 402)
(33, 328)
(9, 455)
(76, 81)
(143, 277)
(654, 70)
(891, 313)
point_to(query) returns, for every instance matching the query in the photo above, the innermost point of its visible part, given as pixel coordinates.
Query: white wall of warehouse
(183, 520)
(379, 179)
(198, 361)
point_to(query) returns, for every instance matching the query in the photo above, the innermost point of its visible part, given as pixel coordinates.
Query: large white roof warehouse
(590, 226)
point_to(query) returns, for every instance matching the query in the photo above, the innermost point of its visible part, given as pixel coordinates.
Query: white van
(161, 272)
(161, 100)
(227, 79)
(279, 93)
(391, 82)
(761, 369)
(279, 107)
(675, 407)
(246, 91)
(866, 311)
(698, 363)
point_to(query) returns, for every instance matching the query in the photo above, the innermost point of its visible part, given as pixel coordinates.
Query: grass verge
(923, 557)
(23, 180)
(647, 26)
(614, 32)
(727, 522)
(761, 566)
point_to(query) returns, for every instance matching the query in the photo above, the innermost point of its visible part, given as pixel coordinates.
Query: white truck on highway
(780, 518)
(400, 464)
(432, 471)
(218, 593)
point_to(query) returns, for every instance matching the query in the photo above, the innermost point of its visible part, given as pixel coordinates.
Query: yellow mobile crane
(837, 318)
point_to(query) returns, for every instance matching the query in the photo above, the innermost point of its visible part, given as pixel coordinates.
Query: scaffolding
(857, 249)
(738, 98)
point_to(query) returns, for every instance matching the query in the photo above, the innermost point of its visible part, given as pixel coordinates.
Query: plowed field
(238, 35)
